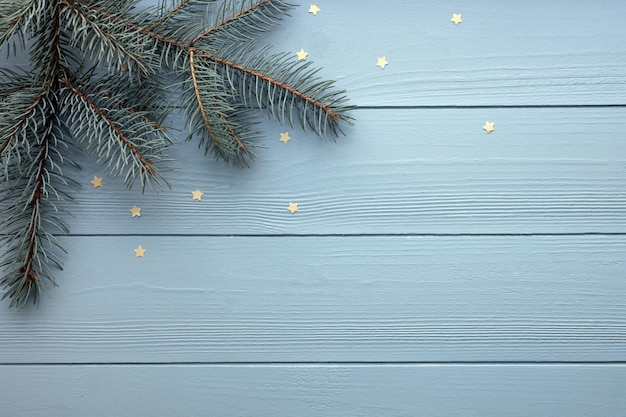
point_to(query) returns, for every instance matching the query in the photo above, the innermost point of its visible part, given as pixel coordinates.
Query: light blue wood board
(397, 171)
(332, 390)
(504, 53)
(259, 299)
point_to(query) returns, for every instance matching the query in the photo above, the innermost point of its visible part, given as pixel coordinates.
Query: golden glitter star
(197, 195)
(135, 211)
(302, 55)
(96, 181)
(293, 207)
(284, 137)
(382, 62)
(314, 9)
(489, 127)
(139, 252)
(456, 18)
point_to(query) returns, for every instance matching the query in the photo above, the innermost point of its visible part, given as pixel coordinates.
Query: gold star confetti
(489, 127)
(197, 195)
(456, 18)
(382, 62)
(314, 9)
(135, 211)
(96, 181)
(302, 55)
(284, 137)
(293, 207)
(139, 252)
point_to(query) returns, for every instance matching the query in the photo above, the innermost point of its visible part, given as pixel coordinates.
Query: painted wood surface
(330, 390)
(504, 53)
(300, 299)
(397, 171)
(421, 242)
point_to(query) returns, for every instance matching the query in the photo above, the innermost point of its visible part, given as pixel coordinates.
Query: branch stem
(196, 89)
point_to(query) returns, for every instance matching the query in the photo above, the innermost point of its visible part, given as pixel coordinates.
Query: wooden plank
(398, 171)
(552, 298)
(269, 391)
(504, 53)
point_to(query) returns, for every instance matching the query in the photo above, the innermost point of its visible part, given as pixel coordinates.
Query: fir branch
(65, 100)
(24, 118)
(31, 247)
(216, 106)
(13, 15)
(127, 55)
(196, 90)
(113, 144)
(209, 113)
(250, 20)
(255, 74)
(169, 15)
(121, 103)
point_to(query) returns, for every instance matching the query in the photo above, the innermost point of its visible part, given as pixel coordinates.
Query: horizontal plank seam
(488, 106)
(324, 235)
(463, 106)
(314, 363)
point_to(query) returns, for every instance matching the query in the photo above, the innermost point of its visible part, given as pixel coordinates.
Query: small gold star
(382, 62)
(97, 182)
(456, 18)
(139, 252)
(135, 211)
(197, 195)
(284, 137)
(489, 127)
(302, 55)
(293, 207)
(314, 9)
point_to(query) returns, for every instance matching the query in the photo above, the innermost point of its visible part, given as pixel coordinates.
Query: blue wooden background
(433, 269)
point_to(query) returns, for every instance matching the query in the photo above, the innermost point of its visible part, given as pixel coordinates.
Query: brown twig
(28, 269)
(196, 89)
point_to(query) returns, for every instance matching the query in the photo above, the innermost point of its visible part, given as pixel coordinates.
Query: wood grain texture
(238, 303)
(398, 171)
(350, 391)
(504, 53)
(256, 299)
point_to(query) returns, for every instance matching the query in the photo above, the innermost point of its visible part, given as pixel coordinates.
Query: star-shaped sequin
(96, 182)
(284, 137)
(302, 55)
(197, 195)
(381, 62)
(293, 207)
(140, 252)
(489, 127)
(456, 19)
(135, 211)
(314, 9)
